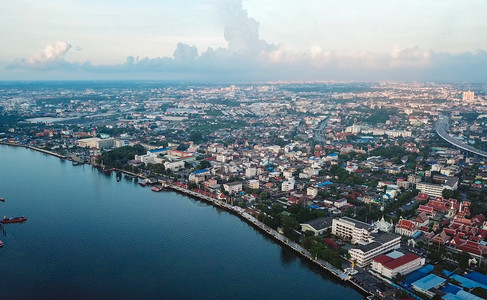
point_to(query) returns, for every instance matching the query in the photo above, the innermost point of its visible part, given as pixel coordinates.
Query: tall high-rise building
(468, 96)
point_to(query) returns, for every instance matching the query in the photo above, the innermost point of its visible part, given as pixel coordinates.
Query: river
(91, 237)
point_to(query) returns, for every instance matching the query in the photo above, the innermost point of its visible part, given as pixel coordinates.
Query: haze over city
(237, 40)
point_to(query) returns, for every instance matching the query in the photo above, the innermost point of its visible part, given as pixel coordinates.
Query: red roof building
(389, 265)
(406, 227)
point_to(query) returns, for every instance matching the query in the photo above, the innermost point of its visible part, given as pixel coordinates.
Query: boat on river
(6, 220)
(157, 188)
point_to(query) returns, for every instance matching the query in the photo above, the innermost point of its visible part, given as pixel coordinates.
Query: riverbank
(177, 246)
(243, 215)
(249, 219)
(36, 149)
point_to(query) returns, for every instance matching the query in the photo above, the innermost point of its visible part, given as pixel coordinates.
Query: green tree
(182, 147)
(289, 225)
(263, 195)
(308, 242)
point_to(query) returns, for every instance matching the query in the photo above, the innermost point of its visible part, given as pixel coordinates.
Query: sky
(244, 40)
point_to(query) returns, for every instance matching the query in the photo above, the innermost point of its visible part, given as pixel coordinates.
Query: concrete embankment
(48, 152)
(36, 149)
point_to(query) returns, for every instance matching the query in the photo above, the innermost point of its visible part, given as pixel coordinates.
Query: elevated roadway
(441, 127)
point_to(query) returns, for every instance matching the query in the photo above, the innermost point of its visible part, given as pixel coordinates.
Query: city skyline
(239, 41)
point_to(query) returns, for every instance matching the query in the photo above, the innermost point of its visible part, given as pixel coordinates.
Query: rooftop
(320, 223)
(159, 150)
(384, 237)
(395, 263)
(428, 282)
(357, 223)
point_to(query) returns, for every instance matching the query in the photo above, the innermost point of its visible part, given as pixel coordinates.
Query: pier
(48, 152)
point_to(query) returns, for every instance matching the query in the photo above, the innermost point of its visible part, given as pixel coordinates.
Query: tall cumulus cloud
(52, 57)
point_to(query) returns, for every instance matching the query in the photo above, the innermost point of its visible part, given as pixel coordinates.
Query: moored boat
(6, 220)
(156, 188)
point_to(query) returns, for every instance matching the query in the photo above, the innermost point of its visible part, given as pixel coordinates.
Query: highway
(318, 134)
(441, 127)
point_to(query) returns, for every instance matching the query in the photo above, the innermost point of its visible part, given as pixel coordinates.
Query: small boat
(156, 188)
(108, 171)
(1, 244)
(2, 199)
(6, 220)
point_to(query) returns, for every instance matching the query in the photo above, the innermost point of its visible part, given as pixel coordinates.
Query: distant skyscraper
(468, 96)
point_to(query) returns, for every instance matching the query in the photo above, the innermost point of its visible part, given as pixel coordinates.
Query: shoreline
(244, 216)
(281, 239)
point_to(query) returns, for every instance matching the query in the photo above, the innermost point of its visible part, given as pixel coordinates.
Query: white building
(312, 192)
(153, 156)
(436, 190)
(174, 165)
(287, 186)
(250, 172)
(223, 157)
(96, 143)
(340, 202)
(253, 184)
(377, 245)
(317, 226)
(389, 265)
(233, 187)
(288, 173)
(121, 143)
(351, 230)
(431, 189)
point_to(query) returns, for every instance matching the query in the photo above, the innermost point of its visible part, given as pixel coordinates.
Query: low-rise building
(287, 185)
(233, 187)
(431, 189)
(96, 143)
(312, 192)
(435, 190)
(174, 165)
(253, 184)
(406, 227)
(391, 264)
(377, 245)
(317, 226)
(250, 172)
(351, 230)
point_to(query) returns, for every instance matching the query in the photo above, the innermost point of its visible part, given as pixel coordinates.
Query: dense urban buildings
(355, 173)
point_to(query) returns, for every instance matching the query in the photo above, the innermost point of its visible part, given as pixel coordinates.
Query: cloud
(51, 57)
(249, 58)
(185, 52)
(240, 31)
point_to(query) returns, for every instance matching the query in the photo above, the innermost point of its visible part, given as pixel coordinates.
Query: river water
(91, 237)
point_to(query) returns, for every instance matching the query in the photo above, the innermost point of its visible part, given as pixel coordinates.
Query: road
(441, 127)
(319, 131)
